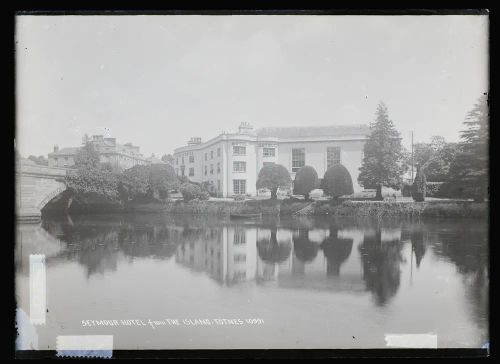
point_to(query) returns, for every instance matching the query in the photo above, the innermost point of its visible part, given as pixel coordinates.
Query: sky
(156, 81)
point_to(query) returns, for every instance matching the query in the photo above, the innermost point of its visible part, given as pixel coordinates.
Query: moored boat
(246, 216)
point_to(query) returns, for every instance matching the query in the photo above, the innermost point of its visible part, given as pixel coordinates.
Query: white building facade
(231, 162)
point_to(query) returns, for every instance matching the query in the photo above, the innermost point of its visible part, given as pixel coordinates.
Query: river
(203, 282)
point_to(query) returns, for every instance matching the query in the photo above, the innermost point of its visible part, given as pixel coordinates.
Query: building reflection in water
(316, 255)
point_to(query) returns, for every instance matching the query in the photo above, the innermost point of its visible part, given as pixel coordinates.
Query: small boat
(246, 216)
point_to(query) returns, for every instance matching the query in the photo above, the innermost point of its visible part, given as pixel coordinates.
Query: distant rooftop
(66, 151)
(314, 131)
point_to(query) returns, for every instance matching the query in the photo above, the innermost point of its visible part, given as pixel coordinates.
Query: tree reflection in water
(96, 246)
(272, 251)
(381, 266)
(305, 250)
(336, 251)
(467, 247)
(418, 242)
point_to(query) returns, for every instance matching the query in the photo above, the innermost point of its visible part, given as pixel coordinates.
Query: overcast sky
(156, 81)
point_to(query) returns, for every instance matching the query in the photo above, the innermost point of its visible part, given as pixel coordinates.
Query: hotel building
(231, 162)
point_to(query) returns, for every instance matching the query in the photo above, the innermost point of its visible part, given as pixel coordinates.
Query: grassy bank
(288, 207)
(345, 208)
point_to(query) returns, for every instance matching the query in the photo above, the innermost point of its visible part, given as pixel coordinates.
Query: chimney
(194, 141)
(56, 148)
(245, 128)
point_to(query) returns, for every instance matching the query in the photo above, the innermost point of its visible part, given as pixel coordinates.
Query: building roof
(314, 131)
(65, 151)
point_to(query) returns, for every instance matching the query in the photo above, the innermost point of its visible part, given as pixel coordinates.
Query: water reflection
(418, 244)
(329, 255)
(271, 250)
(469, 254)
(336, 250)
(305, 250)
(381, 260)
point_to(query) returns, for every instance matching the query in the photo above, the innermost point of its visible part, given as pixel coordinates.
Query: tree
(418, 187)
(434, 158)
(337, 181)
(191, 191)
(382, 162)
(168, 158)
(438, 166)
(134, 182)
(87, 156)
(273, 176)
(162, 179)
(88, 178)
(41, 160)
(306, 180)
(469, 169)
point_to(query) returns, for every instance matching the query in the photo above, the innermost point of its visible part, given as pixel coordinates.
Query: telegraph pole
(412, 155)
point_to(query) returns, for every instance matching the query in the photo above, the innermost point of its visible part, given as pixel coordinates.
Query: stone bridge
(36, 185)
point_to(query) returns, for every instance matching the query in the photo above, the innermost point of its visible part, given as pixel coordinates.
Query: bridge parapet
(26, 168)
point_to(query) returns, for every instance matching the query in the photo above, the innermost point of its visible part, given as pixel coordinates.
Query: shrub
(432, 189)
(239, 197)
(418, 187)
(337, 181)
(191, 191)
(209, 188)
(273, 176)
(306, 180)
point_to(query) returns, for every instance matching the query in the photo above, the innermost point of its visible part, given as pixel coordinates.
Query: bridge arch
(36, 185)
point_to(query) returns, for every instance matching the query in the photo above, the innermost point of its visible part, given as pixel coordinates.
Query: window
(218, 167)
(191, 172)
(211, 169)
(211, 154)
(177, 171)
(238, 150)
(332, 156)
(205, 170)
(269, 152)
(218, 152)
(218, 185)
(206, 156)
(298, 158)
(182, 160)
(240, 258)
(239, 186)
(239, 166)
(191, 159)
(239, 237)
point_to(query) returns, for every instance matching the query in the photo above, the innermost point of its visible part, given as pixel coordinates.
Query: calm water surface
(313, 282)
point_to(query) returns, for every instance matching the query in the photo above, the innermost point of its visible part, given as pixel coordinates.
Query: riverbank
(317, 208)
(289, 207)
(346, 208)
